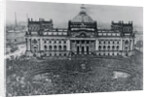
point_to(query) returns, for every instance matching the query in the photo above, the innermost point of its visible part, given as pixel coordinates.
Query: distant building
(82, 37)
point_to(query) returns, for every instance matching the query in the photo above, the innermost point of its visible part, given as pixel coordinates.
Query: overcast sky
(61, 13)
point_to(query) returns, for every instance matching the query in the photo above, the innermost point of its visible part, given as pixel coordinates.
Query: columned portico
(83, 47)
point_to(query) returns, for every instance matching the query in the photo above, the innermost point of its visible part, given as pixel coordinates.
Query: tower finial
(83, 9)
(82, 6)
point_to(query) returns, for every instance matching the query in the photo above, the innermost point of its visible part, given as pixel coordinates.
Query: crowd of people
(26, 76)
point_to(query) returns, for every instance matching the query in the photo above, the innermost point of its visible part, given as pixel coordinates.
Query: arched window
(50, 47)
(104, 47)
(45, 47)
(60, 47)
(113, 47)
(60, 41)
(113, 42)
(108, 47)
(117, 47)
(59, 54)
(54, 41)
(118, 42)
(126, 42)
(112, 54)
(65, 48)
(104, 54)
(117, 53)
(35, 49)
(34, 41)
(64, 41)
(65, 54)
(99, 47)
(49, 41)
(55, 47)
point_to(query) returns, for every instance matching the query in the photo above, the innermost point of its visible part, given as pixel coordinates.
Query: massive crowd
(26, 76)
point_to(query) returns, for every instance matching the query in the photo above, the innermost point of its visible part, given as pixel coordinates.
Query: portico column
(41, 44)
(68, 45)
(96, 45)
(80, 47)
(85, 49)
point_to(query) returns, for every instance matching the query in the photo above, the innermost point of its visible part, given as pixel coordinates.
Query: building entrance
(82, 50)
(87, 50)
(83, 47)
(77, 49)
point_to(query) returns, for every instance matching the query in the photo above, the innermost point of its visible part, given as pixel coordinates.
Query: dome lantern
(82, 16)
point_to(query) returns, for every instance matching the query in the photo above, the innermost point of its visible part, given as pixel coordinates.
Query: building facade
(82, 37)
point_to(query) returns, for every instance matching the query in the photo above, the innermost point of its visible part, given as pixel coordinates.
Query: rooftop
(82, 16)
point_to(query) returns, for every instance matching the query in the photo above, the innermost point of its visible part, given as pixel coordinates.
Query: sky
(61, 13)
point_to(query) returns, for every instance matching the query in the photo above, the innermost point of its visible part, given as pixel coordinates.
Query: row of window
(109, 42)
(109, 34)
(82, 41)
(55, 41)
(55, 33)
(55, 47)
(108, 47)
(108, 54)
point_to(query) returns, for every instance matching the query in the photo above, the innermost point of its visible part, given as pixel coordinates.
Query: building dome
(82, 16)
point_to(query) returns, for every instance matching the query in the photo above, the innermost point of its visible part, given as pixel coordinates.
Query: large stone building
(82, 37)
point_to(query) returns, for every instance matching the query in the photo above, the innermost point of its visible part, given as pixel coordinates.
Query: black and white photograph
(66, 48)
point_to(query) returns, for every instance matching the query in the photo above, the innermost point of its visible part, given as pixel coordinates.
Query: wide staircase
(82, 56)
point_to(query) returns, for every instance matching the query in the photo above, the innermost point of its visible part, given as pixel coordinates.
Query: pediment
(82, 34)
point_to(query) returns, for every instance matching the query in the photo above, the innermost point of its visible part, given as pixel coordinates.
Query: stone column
(131, 44)
(41, 44)
(68, 45)
(85, 49)
(96, 44)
